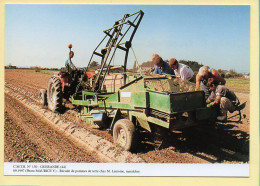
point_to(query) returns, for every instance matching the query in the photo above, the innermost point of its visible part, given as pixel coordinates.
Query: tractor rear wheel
(124, 134)
(54, 94)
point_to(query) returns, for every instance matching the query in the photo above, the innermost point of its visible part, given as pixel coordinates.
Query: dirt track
(29, 137)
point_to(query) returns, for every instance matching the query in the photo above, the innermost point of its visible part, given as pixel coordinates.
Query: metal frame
(115, 41)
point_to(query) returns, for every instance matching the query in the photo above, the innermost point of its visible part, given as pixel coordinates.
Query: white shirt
(184, 71)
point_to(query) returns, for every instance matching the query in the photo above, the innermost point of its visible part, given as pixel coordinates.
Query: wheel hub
(121, 137)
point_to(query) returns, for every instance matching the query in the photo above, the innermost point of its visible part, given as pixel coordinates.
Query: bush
(232, 73)
(37, 69)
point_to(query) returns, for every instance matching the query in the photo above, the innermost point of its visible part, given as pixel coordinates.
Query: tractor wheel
(54, 94)
(43, 97)
(124, 134)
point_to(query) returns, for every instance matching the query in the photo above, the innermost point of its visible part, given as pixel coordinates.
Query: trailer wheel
(54, 94)
(124, 134)
(43, 97)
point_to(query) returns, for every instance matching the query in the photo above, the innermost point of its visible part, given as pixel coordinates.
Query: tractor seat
(241, 106)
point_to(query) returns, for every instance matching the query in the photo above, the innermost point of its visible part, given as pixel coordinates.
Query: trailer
(145, 102)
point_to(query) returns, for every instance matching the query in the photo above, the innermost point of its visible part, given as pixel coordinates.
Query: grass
(240, 85)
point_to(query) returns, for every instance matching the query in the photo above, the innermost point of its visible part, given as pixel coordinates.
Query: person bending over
(161, 67)
(182, 70)
(204, 74)
(222, 97)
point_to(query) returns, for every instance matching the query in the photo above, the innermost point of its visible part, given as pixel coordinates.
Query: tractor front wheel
(54, 94)
(124, 134)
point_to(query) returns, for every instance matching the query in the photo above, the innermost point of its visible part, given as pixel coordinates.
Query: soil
(29, 138)
(32, 134)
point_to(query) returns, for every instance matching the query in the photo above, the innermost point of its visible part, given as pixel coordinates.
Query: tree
(194, 65)
(222, 73)
(233, 73)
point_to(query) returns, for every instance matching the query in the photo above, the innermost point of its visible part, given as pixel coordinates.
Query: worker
(222, 97)
(68, 63)
(203, 75)
(161, 67)
(182, 70)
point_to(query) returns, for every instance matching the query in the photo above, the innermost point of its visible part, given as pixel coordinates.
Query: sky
(212, 35)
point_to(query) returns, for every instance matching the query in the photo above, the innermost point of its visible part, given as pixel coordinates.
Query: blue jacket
(165, 69)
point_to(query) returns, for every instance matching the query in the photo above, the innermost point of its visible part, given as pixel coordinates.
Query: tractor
(126, 102)
(62, 85)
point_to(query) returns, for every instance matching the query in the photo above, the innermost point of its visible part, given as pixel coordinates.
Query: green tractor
(125, 102)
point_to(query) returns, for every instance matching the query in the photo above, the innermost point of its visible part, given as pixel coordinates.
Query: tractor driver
(68, 64)
(161, 67)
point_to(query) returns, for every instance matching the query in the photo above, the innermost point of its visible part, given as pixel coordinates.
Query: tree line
(224, 73)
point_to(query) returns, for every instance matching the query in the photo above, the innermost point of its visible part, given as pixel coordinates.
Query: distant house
(247, 76)
(115, 68)
(94, 68)
(145, 67)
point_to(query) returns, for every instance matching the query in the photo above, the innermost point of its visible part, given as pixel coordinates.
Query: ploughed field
(35, 134)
